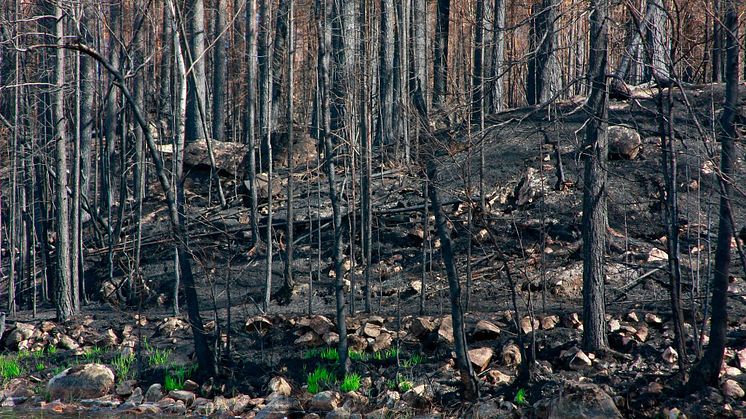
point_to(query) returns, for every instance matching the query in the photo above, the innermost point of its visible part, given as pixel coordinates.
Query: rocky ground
(404, 358)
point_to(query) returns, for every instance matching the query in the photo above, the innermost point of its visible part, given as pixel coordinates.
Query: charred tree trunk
(250, 129)
(419, 56)
(196, 112)
(384, 128)
(219, 72)
(658, 43)
(440, 61)
(64, 303)
(323, 18)
(544, 67)
(279, 49)
(594, 185)
(706, 372)
(494, 93)
(468, 379)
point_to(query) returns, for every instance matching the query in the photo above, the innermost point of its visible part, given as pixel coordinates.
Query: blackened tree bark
(250, 130)
(64, 305)
(717, 42)
(544, 73)
(289, 283)
(323, 19)
(384, 128)
(418, 56)
(279, 50)
(219, 72)
(658, 43)
(707, 370)
(468, 379)
(343, 46)
(196, 111)
(477, 77)
(440, 61)
(494, 99)
(164, 93)
(594, 185)
(87, 89)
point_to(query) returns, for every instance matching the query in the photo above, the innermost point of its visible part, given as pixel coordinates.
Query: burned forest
(373, 208)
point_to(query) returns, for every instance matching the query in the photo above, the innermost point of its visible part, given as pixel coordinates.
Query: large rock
(325, 401)
(21, 332)
(445, 331)
(87, 381)
(279, 408)
(229, 157)
(480, 358)
(624, 142)
(485, 330)
(580, 401)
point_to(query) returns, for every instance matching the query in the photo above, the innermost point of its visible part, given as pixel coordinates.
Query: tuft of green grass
(311, 353)
(520, 397)
(10, 368)
(414, 360)
(38, 354)
(40, 366)
(399, 383)
(93, 354)
(176, 376)
(23, 354)
(329, 354)
(51, 350)
(320, 378)
(391, 353)
(123, 366)
(357, 356)
(159, 357)
(351, 382)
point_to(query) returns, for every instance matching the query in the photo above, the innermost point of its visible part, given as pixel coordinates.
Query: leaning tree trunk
(706, 372)
(468, 379)
(64, 303)
(594, 185)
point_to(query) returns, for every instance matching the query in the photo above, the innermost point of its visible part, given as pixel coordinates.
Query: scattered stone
(418, 397)
(136, 397)
(325, 401)
(421, 326)
(356, 343)
(87, 381)
(308, 339)
(390, 398)
(528, 326)
(573, 321)
(642, 333)
(576, 359)
(614, 325)
(18, 388)
(66, 342)
(186, 397)
(657, 255)
(732, 371)
(741, 357)
(279, 408)
(497, 377)
(732, 389)
(228, 157)
(190, 385)
(154, 393)
(632, 316)
(280, 386)
(340, 413)
(549, 322)
(204, 407)
(354, 401)
(381, 413)
(125, 388)
(480, 358)
(13, 401)
(670, 355)
(320, 324)
(371, 330)
(21, 333)
(485, 330)
(382, 342)
(582, 401)
(511, 354)
(445, 330)
(652, 318)
(258, 324)
(103, 402)
(331, 338)
(108, 339)
(171, 325)
(624, 142)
